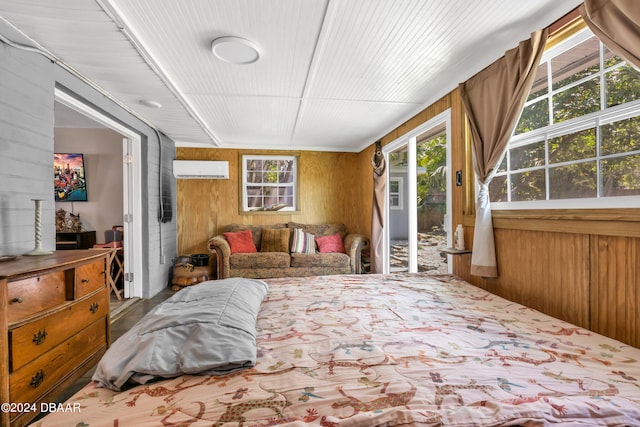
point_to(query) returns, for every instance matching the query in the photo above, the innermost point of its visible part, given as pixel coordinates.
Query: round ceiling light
(150, 103)
(235, 50)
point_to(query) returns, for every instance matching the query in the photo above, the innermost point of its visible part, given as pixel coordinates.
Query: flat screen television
(69, 178)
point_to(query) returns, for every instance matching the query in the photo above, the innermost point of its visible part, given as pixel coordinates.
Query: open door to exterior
(418, 220)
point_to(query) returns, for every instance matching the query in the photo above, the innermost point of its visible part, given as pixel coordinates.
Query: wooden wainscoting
(615, 287)
(578, 268)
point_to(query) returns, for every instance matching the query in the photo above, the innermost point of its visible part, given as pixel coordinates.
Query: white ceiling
(334, 75)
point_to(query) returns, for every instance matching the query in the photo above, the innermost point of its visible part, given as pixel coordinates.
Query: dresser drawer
(30, 296)
(90, 277)
(31, 381)
(33, 339)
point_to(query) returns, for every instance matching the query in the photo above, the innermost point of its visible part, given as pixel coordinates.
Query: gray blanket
(209, 328)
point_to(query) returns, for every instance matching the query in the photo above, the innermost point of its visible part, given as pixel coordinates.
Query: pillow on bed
(303, 243)
(331, 243)
(209, 328)
(275, 240)
(240, 241)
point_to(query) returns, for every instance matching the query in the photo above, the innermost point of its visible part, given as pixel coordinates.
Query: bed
(390, 350)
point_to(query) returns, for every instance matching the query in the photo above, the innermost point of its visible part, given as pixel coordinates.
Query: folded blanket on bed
(208, 328)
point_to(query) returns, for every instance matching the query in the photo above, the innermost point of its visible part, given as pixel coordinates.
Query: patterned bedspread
(394, 350)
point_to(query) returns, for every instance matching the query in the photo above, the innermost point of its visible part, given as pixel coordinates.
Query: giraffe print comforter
(392, 350)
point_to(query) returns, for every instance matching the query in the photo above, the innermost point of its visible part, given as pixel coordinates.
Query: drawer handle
(17, 300)
(85, 280)
(37, 379)
(39, 337)
(94, 307)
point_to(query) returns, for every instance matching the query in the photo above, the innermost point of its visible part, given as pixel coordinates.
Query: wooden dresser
(54, 316)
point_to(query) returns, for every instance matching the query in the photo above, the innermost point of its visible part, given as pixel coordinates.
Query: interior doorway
(418, 220)
(129, 170)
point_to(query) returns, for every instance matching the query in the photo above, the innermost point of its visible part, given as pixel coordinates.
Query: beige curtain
(493, 100)
(379, 198)
(617, 24)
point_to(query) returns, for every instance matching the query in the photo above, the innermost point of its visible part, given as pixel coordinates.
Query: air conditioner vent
(200, 169)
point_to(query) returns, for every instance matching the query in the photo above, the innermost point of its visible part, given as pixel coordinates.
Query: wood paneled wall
(578, 266)
(330, 190)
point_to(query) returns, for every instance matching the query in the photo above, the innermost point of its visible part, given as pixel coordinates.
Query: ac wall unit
(200, 169)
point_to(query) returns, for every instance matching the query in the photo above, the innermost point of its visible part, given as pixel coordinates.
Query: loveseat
(286, 250)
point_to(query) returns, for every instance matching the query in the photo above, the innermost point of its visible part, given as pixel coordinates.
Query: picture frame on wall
(69, 177)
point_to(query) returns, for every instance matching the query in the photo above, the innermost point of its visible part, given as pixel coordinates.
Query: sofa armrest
(353, 245)
(221, 248)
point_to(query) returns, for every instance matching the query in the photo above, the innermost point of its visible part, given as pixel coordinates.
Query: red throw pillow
(240, 241)
(331, 243)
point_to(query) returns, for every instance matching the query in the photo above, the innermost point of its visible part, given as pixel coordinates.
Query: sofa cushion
(303, 242)
(333, 259)
(256, 230)
(321, 229)
(327, 244)
(240, 241)
(275, 240)
(260, 260)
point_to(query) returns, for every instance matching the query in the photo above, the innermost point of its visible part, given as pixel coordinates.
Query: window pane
(528, 186)
(575, 146)
(573, 181)
(540, 83)
(623, 85)
(620, 137)
(394, 186)
(534, 116)
(254, 165)
(621, 176)
(610, 58)
(498, 189)
(285, 177)
(254, 202)
(502, 167)
(576, 63)
(577, 101)
(527, 156)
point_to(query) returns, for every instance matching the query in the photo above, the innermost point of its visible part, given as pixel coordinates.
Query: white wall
(27, 83)
(102, 150)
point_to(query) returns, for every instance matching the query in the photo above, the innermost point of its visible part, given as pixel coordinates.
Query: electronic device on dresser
(54, 318)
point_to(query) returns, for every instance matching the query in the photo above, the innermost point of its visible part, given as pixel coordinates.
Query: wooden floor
(124, 314)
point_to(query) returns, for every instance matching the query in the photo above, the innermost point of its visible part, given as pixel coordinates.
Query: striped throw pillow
(303, 243)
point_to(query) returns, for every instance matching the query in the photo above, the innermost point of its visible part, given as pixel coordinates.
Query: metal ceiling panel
(333, 74)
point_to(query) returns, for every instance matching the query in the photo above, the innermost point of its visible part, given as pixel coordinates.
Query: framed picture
(69, 177)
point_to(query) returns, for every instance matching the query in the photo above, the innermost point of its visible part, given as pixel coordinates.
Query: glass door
(432, 178)
(398, 209)
(417, 220)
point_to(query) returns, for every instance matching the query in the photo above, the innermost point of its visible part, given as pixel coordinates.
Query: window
(577, 143)
(269, 183)
(395, 192)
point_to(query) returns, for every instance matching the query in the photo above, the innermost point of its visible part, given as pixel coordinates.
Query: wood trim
(612, 222)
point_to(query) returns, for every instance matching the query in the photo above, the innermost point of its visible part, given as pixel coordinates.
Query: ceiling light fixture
(150, 103)
(235, 50)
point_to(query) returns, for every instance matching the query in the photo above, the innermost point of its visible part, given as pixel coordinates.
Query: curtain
(377, 219)
(617, 24)
(493, 100)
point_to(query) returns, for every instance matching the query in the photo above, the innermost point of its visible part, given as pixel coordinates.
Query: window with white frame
(577, 143)
(269, 183)
(395, 192)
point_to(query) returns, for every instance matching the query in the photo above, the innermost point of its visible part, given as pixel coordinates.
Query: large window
(577, 143)
(269, 183)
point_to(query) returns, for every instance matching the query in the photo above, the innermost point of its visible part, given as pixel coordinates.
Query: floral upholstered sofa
(286, 250)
